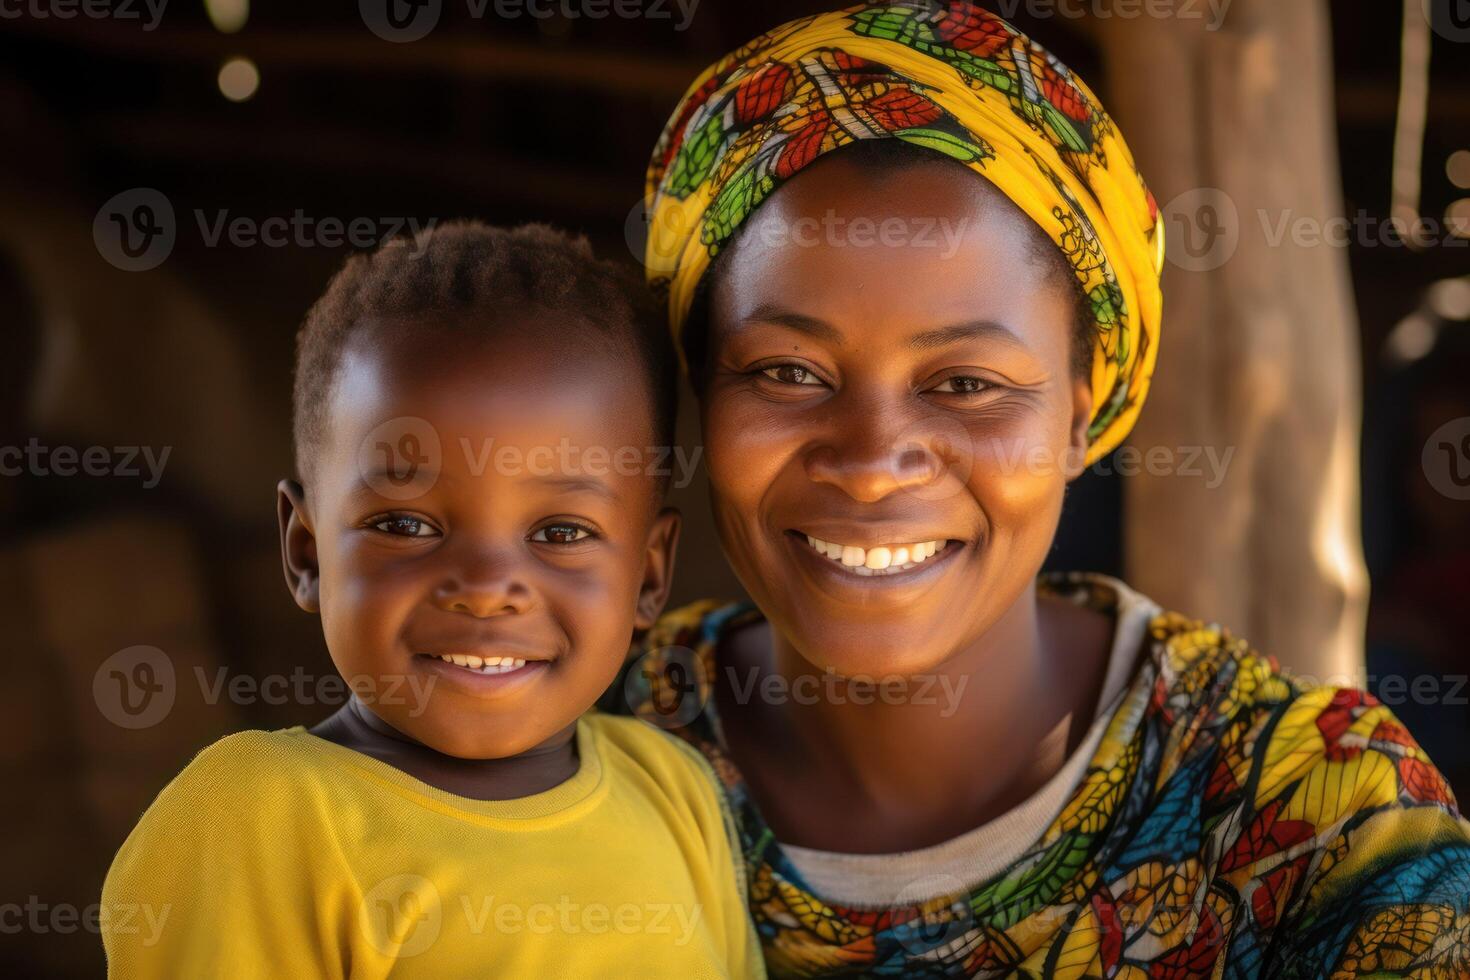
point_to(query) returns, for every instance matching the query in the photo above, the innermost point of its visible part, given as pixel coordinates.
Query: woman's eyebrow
(810, 325)
(939, 337)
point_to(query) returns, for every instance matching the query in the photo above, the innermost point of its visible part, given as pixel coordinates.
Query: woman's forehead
(914, 249)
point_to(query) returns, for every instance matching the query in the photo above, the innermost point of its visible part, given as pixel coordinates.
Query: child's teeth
(878, 558)
(485, 665)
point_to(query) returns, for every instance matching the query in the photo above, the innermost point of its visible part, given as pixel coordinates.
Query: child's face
(470, 500)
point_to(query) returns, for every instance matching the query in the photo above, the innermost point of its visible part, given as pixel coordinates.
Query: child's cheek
(370, 598)
(593, 605)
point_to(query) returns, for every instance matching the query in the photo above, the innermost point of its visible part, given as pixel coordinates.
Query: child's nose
(483, 584)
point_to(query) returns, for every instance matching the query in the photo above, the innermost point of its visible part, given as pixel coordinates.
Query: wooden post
(1233, 127)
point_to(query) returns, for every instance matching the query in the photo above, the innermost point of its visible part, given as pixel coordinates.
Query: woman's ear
(1077, 440)
(298, 546)
(658, 568)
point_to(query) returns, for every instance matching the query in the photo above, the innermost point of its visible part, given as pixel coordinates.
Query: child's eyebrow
(573, 484)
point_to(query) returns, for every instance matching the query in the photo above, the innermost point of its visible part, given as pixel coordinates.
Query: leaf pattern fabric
(947, 77)
(1232, 823)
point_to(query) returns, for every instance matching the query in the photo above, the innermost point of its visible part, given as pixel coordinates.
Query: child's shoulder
(642, 743)
(250, 776)
(633, 746)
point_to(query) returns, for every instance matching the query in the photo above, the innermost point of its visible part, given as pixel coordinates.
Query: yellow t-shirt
(280, 854)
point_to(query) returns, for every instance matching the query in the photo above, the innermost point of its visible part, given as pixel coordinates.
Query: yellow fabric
(279, 854)
(950, 77)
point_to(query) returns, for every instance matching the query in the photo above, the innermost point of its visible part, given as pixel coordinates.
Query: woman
(914, 276)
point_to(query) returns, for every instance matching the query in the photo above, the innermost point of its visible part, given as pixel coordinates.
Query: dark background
(504, 119)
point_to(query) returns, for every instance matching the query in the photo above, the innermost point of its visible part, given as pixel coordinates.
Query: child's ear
(298, 546)
(658, 568)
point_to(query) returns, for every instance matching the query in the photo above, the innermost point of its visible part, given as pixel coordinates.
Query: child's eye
(561, 534)
(405, 525)
(791, 374)
(962, 385)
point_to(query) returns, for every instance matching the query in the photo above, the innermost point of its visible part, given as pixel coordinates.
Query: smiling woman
(890, 432)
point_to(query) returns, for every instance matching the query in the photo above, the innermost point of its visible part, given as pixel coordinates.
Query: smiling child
(478, 528)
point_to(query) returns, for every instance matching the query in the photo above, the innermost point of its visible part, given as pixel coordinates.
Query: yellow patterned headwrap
(950, 77)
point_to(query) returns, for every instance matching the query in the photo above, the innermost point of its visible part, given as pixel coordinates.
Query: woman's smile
(877, 559)
(888, 574)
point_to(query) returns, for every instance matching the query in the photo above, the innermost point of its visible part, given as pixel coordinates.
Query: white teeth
(865, 561)
(483, 665)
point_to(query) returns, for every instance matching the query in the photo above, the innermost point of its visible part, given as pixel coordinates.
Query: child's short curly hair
(465, 267)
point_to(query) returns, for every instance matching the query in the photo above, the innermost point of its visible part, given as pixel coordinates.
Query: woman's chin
(871, 651)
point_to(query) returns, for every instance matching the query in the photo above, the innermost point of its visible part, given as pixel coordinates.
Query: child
(480, 526)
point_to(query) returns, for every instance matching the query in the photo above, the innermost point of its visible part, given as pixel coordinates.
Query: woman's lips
(860, 584)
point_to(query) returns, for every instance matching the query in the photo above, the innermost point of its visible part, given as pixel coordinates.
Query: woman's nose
(869, 456)
(484, 583)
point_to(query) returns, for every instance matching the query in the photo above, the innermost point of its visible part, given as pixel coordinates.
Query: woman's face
(889, 374)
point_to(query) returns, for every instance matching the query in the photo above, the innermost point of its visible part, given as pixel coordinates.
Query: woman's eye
(791, 374)
(405, 526)
(963, 385)
(561, 534)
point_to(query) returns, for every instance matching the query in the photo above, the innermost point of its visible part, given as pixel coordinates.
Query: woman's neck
(544, 767)
(953, 750)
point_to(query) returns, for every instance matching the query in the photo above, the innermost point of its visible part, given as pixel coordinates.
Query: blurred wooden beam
(1259, 355)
